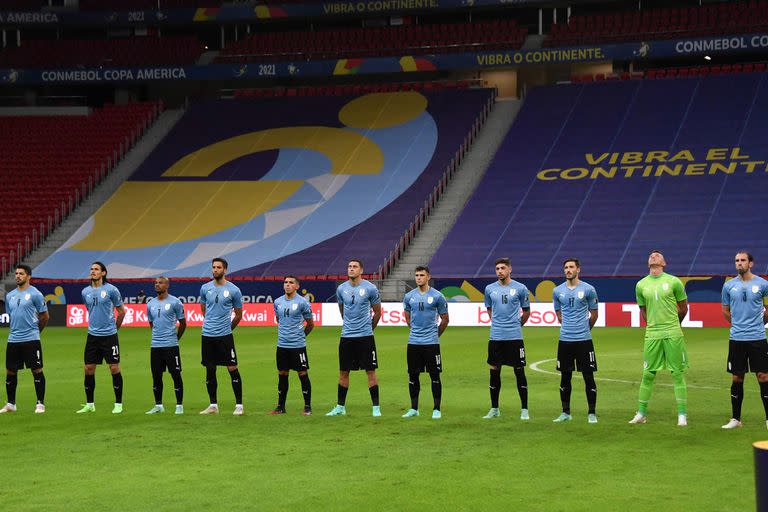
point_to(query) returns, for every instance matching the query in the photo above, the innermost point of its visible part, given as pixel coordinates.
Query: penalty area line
(535, 367)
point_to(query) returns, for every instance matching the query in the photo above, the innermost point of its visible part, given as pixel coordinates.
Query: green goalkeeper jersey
(660, 295)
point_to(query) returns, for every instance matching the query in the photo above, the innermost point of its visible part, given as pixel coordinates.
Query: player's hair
(164, 279)
(422, 268)
(222, 261)
(503, 261)
(103, 269)
(358, 262)
(656, 251)
(575, 260)
(289, 276)
(750, 258)
(28, 269)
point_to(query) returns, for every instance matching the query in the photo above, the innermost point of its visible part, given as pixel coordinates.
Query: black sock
(306, 389)
(282, 390)
(565, 391)
(39, 387)
(374, 391)
(11, 381)
(764, 396)
(117, 383)
(522, 387)
(211, 383)
(591, 389)
(157, 387)
(414, 387)
(342, 395)
(495, 387)
(178, 387)
(90, 387)
(437, 390)
(237, 386)
(737, 397)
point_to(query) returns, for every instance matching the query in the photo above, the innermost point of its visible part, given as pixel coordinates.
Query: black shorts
(748, 356)
(509, 353)
(357, 354)
(162, 358)
(580, 352)
(421, 357)
(24, 354)
(98, 348)
(292, 359)
(219, 351)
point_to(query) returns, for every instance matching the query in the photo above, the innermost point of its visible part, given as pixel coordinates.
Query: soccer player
(294, 323)
(663, 305)
(576, 306)
(743, 298)
(29, 316)
(217, 300)
(101, 299)
(357, 347)
(163, 312)
(504, 300)
(423, 306)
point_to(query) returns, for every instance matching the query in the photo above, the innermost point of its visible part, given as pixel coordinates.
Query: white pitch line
(535, 367)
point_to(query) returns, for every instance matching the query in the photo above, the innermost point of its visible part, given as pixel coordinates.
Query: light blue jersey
(505, 303)
(424, 309)
(23, 307)
(163, 315)
(290, 315)
(574, 305)
(357, 301)
(219, 302)
(746, 302)
(101, 303)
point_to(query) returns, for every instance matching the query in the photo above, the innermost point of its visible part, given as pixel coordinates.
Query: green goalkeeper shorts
(665, 353)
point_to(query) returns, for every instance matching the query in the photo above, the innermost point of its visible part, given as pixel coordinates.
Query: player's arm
(727, 314)
(376, 315)
(443, 324)
(42, 320)
(593, 314)
(238, 317)
(120, 316)
(181, 328)
(593, 303)
(309, 325)
(525, 304)
(556, 306)
(643, 315)
(682, 309)
(202, 308)
(682, 299)
(641, 302)
(407, 316)
(526, 315)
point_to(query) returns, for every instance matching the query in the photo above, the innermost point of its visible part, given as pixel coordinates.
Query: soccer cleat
(638, 418)
(307, 411)
(179, 409)
(238, 410)
(436, 414)
(276, 410)
(411, 413)
(733, 423)
(376, 412)
(211, 409)
(39, 409)
(493, 413)
(562, 418)
(117, 409)
(339, 410)
(682, 420)
(86, 408)
(157, 409)
(8, 408)
(592, 418)
(524, 415)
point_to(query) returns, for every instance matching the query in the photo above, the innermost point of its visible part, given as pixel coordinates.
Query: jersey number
(421, 306)
(286, 312)
(744, 295)
(504, 299)
(571, 300)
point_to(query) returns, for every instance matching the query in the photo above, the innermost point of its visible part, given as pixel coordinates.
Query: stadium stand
(61, 159)
(351, 90)
(497, 34)
(689, 71)
(73, 53)
(661, 23)
(314, 181)
(129, 5)
(612, 223)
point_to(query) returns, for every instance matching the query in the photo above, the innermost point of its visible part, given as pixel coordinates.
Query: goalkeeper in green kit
(663, 304)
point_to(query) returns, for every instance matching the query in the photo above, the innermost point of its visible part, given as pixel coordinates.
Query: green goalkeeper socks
(681, 391)
(646, 390)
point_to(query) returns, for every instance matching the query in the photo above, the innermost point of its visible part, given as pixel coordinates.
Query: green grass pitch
(63, 461)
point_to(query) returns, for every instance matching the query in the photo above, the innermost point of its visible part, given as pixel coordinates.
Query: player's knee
(301, 373)
(10, 372)
(284, 373)
(232, 368)
(761, 377)
(738, 378)
(114, 368)
(37, 371)
(90, 369)
(495, 368)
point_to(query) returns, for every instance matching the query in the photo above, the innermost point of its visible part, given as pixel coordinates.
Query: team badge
(167, 307)
(103, 294)
(429, 300)
(226, 293)
(295, 307)
(513, 292)
(362, 293)
(580, 295)
(27, 296)
(665, 286)
(755, 288)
